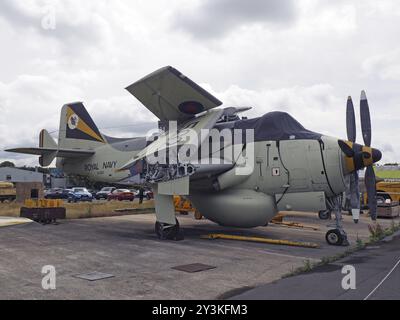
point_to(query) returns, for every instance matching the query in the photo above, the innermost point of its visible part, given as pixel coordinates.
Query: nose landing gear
(337, 236)
(325, 215)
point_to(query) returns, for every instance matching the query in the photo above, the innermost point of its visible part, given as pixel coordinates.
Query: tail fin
(77, 129)
(47, 142)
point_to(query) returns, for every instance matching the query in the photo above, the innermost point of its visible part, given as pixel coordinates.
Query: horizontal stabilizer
(60, 153)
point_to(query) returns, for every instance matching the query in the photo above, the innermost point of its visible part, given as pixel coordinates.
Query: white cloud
(386, 65)
(305, 60)
(216, 18)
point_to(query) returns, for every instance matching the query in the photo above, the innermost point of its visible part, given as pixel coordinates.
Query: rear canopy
(276, 126)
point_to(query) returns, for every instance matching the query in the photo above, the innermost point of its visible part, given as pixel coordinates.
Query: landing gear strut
(337, 236)
(166, 231)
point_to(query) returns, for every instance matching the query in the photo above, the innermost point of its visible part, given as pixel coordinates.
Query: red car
(121, 195)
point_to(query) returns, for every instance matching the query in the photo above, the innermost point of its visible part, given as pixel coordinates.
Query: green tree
(7, 164)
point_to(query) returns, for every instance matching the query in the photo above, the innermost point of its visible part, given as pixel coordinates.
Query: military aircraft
(237, 172)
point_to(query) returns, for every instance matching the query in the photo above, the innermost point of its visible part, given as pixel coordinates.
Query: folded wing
(171, 96)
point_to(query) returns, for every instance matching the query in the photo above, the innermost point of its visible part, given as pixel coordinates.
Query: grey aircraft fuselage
(104, 164)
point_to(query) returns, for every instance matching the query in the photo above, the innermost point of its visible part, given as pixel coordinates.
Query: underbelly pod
(242, 208)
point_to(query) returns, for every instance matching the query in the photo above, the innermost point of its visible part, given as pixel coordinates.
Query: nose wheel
(337, 237)
(166, 231)
(325, 215)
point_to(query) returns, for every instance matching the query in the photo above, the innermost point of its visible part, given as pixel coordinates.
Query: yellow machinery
(184, 206)
(389, 190)
(43, 203)
(43, 210)
(7, 191)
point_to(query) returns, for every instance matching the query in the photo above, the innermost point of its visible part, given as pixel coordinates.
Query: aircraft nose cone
(376, 155)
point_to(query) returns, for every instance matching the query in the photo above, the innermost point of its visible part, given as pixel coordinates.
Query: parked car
(121, 195)
(79, 194)
(147, 194)
(56, 193)
(93, 192)
(103, 193)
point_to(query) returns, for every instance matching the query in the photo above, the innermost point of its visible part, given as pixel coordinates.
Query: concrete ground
(377, 278)
(127, 248)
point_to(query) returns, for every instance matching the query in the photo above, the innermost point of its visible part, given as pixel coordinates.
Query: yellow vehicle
(389, 189)
(7, 191)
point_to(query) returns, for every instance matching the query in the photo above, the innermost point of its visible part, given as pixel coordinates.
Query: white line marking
(384, 279)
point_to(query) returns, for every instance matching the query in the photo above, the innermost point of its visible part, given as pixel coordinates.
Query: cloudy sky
(301, 56)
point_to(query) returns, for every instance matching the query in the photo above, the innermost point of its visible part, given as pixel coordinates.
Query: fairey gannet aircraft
(237, 172)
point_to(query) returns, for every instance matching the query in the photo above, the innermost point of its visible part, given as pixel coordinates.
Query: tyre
(325, 215)
(334, 237)
(167, 232)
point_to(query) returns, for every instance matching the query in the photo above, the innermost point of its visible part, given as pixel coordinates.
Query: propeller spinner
(359, 157)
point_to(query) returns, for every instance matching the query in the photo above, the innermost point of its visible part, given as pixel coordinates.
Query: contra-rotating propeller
(359, 157)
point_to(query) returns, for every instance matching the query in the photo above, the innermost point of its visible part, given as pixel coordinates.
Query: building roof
(20, 175)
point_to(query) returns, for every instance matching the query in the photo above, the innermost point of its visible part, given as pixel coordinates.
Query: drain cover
(94, 276)
(193, 268)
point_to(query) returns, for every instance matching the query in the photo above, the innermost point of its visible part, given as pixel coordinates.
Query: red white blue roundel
(191, 107)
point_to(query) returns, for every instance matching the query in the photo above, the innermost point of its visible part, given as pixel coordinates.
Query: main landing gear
(166, 231)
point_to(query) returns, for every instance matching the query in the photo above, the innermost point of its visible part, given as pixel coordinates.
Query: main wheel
(166, 231)
(335, 237)
(325, 215)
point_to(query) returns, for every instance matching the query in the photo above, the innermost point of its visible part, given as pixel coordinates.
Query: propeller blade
(351, 121)
(355, 196)
(370, 184)
(365, 119)
(347, 150)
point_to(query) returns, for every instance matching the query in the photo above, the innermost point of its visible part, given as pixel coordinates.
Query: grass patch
(377, 233)
(9, 209)
(85, 210)
(389, 174)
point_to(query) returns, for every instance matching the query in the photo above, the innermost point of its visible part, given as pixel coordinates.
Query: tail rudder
(77, 128)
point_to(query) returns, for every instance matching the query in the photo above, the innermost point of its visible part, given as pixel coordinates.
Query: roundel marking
(191, 107)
